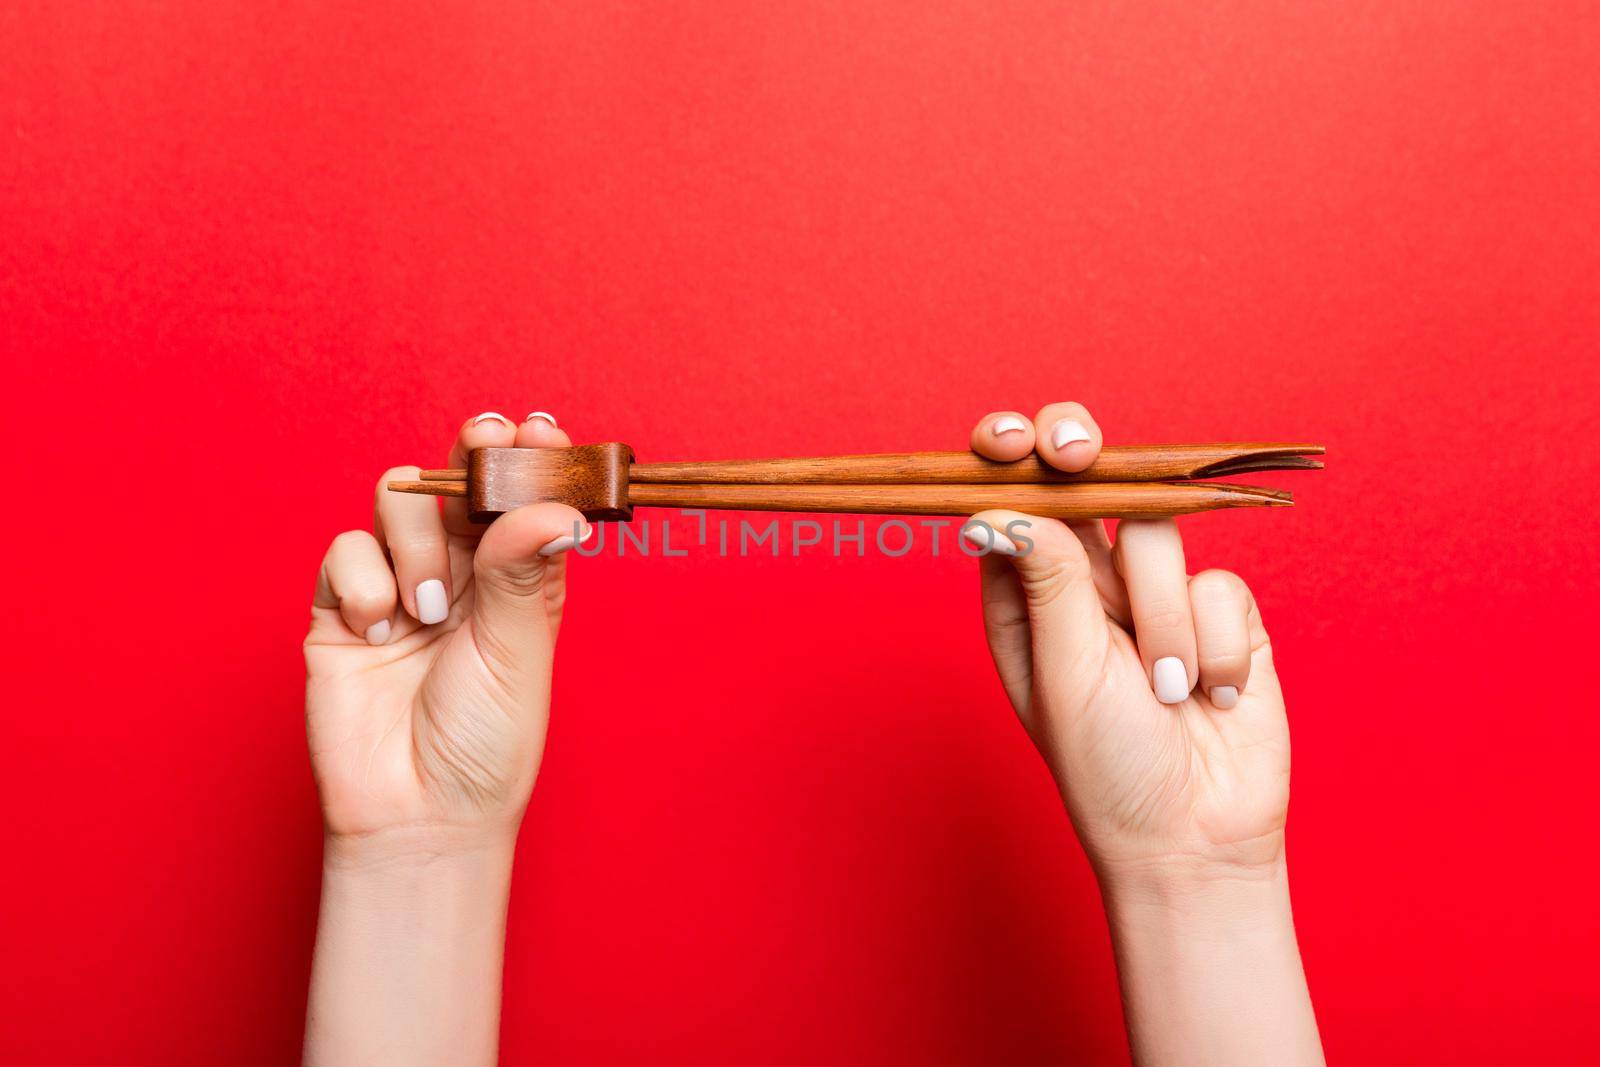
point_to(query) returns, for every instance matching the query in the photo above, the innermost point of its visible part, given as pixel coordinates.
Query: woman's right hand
(1150, 693)
(1152, 696)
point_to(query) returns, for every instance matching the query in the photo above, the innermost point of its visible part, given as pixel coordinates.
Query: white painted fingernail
(559, 545)
(988, 537)
(1224, 696)
(1007, 424)
(1172, 680)
(1068, 432)
(545, 415)
(378, 632)
(432, 603)
(495, 415)
(588, 532)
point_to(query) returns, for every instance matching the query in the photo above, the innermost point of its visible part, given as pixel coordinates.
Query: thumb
(511, 572)
(1066, 622)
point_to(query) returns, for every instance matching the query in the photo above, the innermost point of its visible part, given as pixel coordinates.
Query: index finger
(489, 430)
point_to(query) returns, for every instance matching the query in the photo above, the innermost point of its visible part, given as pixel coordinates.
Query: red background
(253, 254)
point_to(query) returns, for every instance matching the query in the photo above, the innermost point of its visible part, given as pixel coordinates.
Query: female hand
(1152, 697)
(1151, 694)
(428, 660)
(427, 698)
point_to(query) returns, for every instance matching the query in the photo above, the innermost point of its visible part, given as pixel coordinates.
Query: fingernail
(432, 603)
(1068, 432)
(990, 538)
(495, 415)
(378, 632)
(559, 545)
(1224, 696)
(1007, 424)
(1172, 680)
(545, 415)
(588, 532)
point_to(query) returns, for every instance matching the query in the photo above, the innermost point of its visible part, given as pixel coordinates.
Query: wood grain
(1116, 463)
(1091, 500)
(591, 478)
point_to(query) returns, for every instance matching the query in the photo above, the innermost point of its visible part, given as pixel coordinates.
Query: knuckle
(1255, 625)
(1162, 616)
(1218, 596)
(349, 540)
(1047, 579)
(1223, 661)
(367, 602)
(417, 544)
(1218, 581)
(517, 581)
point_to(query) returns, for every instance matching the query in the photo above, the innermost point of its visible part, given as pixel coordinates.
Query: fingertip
(487, 430)
(404, 473)
(566, 542)
(1067, 436)
(1028, 535)
(1170, 679)
(985, 539)
(1005, 436)
(539, 430)
(533, 528)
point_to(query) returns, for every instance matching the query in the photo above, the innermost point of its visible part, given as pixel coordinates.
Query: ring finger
(1150, 556)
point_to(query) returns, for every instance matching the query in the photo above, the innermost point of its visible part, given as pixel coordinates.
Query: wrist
(1199, 873)
(417, 846)
(1180, 866)
(1199, 897)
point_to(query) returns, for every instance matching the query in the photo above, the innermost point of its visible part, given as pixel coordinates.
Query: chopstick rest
(1126, 481)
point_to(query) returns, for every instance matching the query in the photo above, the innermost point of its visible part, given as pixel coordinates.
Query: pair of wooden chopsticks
(1126, 481)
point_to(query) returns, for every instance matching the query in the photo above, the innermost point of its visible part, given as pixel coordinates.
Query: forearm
(1210, 968)
(410, 946)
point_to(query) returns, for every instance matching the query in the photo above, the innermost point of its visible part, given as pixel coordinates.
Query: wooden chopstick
(432, 487)
(1126, 481)
(1126, 500)
(1117, 463)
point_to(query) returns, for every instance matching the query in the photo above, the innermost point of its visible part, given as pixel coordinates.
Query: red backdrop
(254, 254)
